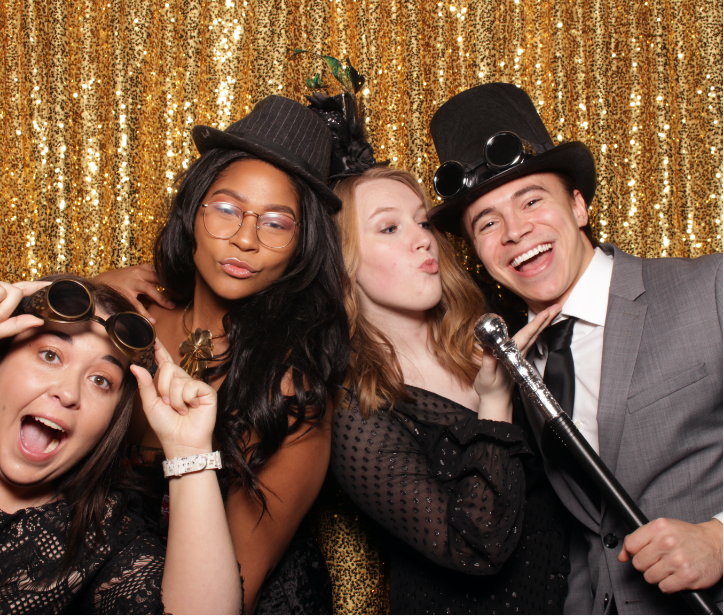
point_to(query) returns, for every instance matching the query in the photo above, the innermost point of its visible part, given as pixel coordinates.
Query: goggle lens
(503, 150)
(69, 299)
(133, 331)
(449, 179)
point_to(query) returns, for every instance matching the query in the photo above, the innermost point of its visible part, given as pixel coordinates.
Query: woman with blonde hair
(428, 443)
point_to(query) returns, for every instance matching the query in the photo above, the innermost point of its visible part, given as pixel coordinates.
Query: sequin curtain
(97, 100)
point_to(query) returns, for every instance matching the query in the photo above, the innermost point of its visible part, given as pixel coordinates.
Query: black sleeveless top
(476, 527)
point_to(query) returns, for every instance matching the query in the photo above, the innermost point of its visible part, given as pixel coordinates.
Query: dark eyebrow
(275, 207)
(479, 215)
(527, 189)
(113, 360)
(58, 334)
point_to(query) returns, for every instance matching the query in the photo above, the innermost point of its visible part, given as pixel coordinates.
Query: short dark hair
(86, 486)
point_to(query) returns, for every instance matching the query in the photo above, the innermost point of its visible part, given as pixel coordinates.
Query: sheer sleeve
(449, 485)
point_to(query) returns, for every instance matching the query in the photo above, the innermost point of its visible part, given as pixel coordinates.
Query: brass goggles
(502, 151)
(70, 301)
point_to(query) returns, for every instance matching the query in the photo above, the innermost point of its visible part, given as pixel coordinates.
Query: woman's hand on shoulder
(493, 384)
(10, 297)
(134, 282)
(180, 410)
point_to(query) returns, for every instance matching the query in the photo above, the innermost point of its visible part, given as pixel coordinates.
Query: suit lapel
(622, 337)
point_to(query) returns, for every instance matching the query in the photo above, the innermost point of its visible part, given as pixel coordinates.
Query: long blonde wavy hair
(374, 374)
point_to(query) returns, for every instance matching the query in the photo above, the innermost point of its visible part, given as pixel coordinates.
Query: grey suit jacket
(659, 421)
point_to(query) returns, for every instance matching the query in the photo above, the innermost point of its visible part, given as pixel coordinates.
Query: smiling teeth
(530, 254)
(50, 424)
(52, 445)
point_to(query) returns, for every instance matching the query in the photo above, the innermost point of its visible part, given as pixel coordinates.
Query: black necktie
(560, 376)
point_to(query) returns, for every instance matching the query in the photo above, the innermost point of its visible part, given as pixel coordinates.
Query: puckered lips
(237, 268)
(40, 437)
(430, 266)
(532, 259)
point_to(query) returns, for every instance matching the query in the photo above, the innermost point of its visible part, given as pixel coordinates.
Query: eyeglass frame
(256, 227)
(526, 151)
(38, 305)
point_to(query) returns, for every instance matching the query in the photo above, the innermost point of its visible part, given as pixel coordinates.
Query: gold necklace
(197, 349)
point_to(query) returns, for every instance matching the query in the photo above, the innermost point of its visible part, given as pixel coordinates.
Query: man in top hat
(635, 357)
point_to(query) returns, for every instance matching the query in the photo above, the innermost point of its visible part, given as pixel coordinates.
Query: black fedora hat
(462, 127)
(284, 133)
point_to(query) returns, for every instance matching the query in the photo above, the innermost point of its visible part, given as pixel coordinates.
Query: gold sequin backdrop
(98, 98)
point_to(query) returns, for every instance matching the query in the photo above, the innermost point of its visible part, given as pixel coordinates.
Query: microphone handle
(614, 493)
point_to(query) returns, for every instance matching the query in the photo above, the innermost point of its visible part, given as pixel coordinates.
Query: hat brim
(207, 138)
(573, 159)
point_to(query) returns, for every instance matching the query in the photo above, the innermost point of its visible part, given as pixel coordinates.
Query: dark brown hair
(86, 486)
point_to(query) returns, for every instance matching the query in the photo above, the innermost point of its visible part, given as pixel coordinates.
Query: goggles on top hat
(70, 301)
(502, 151)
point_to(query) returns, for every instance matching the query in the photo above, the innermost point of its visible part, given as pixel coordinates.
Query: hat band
(282, 152)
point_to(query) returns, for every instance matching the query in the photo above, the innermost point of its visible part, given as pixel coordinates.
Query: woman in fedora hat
(250, 255)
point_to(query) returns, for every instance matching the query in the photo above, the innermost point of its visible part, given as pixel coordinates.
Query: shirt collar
(589, 299)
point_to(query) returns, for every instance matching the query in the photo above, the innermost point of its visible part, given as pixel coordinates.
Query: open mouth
(529, 259)
(40, 435)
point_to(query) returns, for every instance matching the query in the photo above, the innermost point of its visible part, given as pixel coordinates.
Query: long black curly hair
(298, 327)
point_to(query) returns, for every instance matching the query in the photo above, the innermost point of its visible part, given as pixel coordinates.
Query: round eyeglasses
(273, 229)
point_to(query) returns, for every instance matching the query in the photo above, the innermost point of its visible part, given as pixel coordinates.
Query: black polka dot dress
(475, 526)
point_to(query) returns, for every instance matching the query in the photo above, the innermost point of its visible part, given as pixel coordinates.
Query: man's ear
(580, 211)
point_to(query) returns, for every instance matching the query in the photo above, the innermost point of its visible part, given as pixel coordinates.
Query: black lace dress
(475, 526)
(122, 575)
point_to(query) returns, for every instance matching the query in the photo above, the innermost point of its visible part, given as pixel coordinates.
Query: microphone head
(491, 331)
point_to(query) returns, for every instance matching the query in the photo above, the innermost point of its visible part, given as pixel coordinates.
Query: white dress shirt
(588, 303)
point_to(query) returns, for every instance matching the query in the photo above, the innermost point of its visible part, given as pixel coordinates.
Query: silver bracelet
(192, 464)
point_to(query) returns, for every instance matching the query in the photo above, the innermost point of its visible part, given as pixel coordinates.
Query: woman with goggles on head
(250, 254)
(72, 538)
(428, 443)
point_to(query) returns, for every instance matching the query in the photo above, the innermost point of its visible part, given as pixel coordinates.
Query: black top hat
(464, 124)
(284, 133)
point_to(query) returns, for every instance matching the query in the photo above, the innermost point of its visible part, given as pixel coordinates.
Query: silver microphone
(492, 332)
